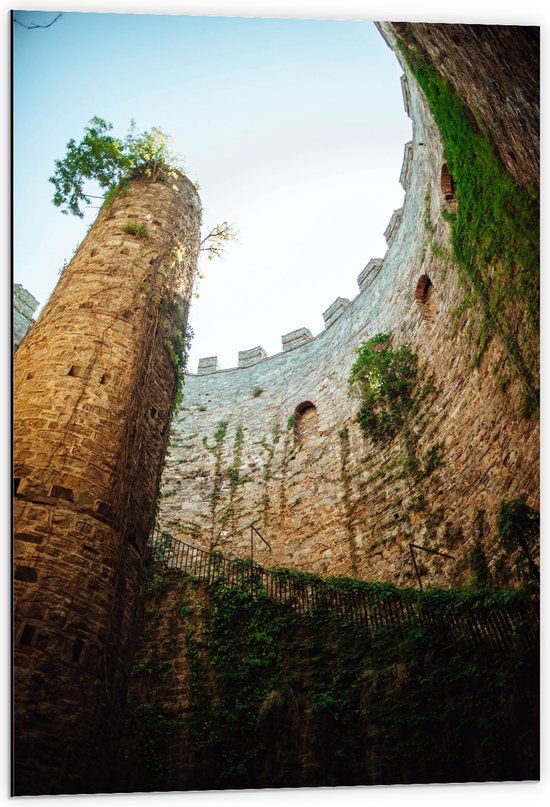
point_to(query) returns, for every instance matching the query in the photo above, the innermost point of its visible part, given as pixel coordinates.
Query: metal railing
(378, 610)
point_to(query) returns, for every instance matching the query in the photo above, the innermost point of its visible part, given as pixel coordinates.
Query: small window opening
(448, 188)
(26, 574)
(27, 635)
(105, 378)
(422, 289)
(305, 422)
(93, 253)
(78, 647)
(104, 509)
(75, 371)
(59, 492)
(29, 376)
(423, 294)
(28, 537)
(16, 483)
(153, 412)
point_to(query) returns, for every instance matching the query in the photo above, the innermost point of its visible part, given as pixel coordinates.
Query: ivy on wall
(345, 480)
(273, 699)
(216, 449)
(385, 380)
(494, 232)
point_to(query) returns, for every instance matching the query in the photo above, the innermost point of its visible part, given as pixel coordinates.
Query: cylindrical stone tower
(94, 386)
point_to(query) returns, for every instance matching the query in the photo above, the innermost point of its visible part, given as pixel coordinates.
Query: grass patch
(135, 228)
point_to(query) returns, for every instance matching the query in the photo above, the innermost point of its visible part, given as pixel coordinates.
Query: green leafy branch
(109, 160)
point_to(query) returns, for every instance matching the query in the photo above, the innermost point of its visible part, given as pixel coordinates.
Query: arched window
(305, 423)
(448, 188)
(423, 294)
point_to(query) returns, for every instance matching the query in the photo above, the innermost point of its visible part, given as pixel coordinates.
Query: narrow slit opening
(78, 646)
(27, 635)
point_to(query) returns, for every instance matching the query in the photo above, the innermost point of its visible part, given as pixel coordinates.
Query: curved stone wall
(322, 496)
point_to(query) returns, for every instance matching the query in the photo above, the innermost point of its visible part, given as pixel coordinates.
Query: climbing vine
(494, 232)
(235, 480)
(217, 451)
(270, 448)
(288, 448)
(345, 480)
(178, 338)
(518, 533)
(384, 378)
(386, 382)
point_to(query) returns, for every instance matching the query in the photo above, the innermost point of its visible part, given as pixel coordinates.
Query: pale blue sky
(294, 129)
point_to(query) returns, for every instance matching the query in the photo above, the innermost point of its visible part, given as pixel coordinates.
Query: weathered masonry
(24, 306)
(94, 385)
(275, 441)
(229, 687)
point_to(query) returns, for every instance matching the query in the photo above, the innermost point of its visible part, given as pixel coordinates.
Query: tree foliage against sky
(106, 159)
(111, 161)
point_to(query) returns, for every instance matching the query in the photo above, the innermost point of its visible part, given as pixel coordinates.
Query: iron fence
(378, 610)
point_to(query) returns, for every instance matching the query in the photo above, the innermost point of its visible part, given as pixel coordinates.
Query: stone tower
(94, 386)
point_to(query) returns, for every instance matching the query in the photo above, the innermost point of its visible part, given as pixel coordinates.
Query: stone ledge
(209, 364)
(407, 165)
(335, 310)
(296, 338)
(406, 95)
(369, 273)
(24, 301)
(252, 356)
(393, 226)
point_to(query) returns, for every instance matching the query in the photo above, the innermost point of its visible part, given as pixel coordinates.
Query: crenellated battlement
(302, 337)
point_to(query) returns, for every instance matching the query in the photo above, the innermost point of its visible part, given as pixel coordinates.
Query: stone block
(393, 226)
(335, 310)
(252, 356)
(209, 364)
(369, 273)
(406, 95)
(406, 166)
(296, 338)
(24, 306)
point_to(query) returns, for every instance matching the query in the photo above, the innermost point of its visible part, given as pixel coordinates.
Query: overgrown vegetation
(276, 699)
(495, 231)
(384, 378)
(178, 338)
(135, 228)
(216, 450)
(518, 533)
(110, 162)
